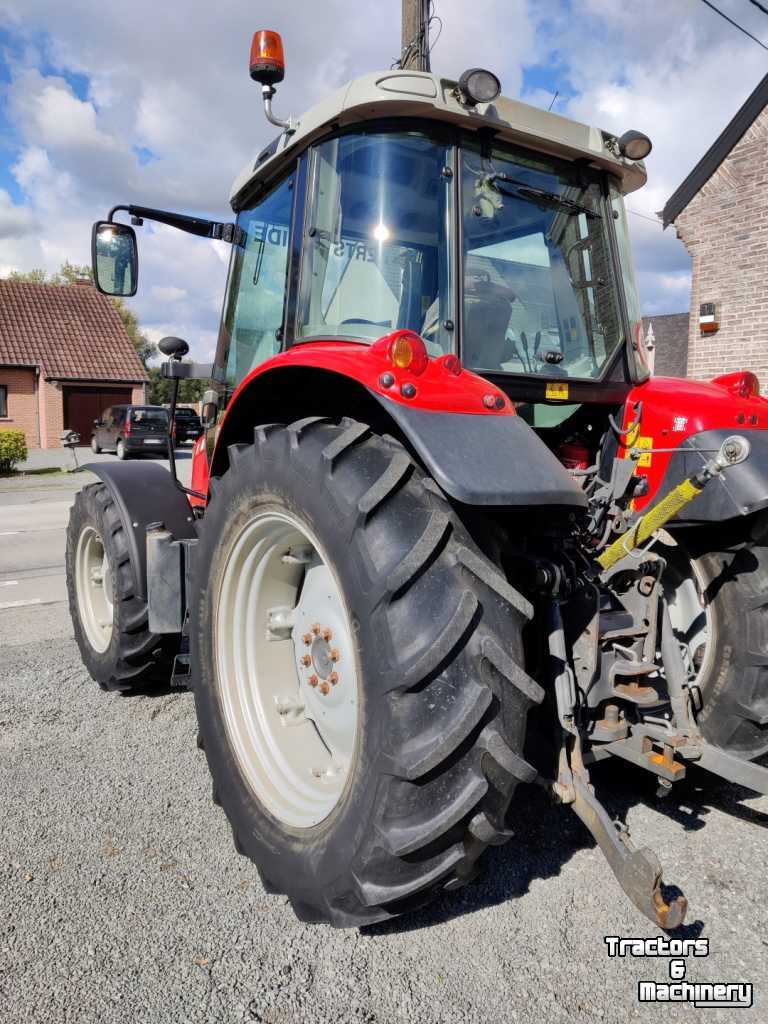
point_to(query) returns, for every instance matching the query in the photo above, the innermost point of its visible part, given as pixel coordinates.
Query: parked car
(188, 425)
(130, 429)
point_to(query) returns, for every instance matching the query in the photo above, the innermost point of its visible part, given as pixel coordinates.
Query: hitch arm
(638, 872)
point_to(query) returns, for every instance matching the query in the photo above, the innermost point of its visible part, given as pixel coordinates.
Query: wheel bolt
(307, 638)
(334, 654)
(334, 678)
(313, 680)
(325, 688)
(316, 628)
(306, 661)
(327, 634)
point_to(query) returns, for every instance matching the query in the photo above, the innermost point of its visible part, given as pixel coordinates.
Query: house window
(3, 400)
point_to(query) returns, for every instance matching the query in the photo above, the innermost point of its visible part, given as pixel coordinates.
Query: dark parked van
(130, 429)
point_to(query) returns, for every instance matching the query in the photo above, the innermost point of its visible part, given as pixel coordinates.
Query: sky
(151, 103)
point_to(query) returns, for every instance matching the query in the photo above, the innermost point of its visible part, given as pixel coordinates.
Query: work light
(479, 86)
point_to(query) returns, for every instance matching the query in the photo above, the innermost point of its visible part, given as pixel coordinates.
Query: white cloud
(174, 81)
(168, 293)
(15, 221)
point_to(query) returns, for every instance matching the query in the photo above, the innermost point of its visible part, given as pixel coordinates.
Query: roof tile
(70, 331)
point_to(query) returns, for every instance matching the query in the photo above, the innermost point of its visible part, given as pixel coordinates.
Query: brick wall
(51, 413)
(22, 403)
(725, 229)
(139, 394)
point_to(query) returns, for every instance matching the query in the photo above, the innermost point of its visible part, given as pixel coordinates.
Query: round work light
(479, 86)
(635, 145)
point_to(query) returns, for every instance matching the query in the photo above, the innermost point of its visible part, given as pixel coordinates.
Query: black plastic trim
(486, 460)
(737, 491)
(145, 493)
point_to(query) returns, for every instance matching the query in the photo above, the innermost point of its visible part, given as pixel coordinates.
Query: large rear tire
(109, 618)
(429, 650)
(717, 586)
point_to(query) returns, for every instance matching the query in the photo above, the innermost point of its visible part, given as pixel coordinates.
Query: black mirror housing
(115, 258)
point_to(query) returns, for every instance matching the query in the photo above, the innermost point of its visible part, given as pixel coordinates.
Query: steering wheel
(480, 286)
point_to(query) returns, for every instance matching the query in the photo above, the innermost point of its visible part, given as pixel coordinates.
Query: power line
(759, 6)
(734, 23)
(654, 220)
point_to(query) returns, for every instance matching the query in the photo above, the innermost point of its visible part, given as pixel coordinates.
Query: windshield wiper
(525, 190)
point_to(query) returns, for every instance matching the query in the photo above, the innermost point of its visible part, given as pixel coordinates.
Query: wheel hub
(286, 668)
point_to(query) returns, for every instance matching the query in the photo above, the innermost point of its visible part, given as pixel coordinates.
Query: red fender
(674, 409)
(436, 385)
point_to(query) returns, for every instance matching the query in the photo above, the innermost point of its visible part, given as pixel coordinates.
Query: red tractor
(446, 535)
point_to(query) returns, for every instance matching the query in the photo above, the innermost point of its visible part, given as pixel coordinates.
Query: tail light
(127, 427)
(742, 383)
(404, 350)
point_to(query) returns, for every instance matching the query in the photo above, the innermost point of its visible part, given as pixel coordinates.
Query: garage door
(83, 405)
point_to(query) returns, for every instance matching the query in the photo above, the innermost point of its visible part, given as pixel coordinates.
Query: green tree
(71, 273)
(160, 388)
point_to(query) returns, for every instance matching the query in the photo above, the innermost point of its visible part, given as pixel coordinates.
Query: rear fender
(145, 493)
(478, 455)
(678, 419)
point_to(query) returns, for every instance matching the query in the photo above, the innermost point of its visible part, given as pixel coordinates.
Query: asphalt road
(122, 899)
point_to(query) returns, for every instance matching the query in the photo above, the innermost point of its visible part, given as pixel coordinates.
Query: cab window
(377, 248)
(253, 311)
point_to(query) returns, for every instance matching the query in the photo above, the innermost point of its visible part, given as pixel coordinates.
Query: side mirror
(97, 423)
(115, 258)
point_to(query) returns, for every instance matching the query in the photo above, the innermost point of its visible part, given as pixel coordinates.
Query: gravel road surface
(122, 899)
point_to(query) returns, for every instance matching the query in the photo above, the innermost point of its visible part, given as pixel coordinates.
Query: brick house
(720, 213)
(65, 356)
(666, 339)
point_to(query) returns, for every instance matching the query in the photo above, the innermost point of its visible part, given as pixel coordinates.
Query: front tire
(110, 620)
(433, 648)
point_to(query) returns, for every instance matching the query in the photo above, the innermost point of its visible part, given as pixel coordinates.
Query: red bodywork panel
(442, 386)
(673, 409)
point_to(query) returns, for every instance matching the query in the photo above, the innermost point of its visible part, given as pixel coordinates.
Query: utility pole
(415, 35)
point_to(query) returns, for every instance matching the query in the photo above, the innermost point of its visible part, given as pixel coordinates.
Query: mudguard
(738, 491)
(145, 493)
(486, 460)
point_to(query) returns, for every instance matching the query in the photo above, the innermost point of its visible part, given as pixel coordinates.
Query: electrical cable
(734, 23)
(759, 6)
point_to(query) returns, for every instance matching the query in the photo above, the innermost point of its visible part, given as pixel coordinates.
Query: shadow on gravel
(547, 835)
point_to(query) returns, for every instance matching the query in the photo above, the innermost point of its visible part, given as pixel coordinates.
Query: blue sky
(141, 102)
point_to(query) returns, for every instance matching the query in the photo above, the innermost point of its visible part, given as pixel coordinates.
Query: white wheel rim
(689, 612)
(93, 585)
(286, 669)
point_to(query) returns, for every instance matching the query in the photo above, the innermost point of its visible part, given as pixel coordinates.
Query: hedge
(13, 449)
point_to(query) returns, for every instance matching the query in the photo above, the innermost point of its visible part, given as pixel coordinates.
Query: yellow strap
(653, 520)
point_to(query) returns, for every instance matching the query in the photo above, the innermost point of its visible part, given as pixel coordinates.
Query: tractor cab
(494, 231)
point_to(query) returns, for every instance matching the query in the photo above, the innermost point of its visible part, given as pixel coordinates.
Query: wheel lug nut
(307, 638)
(306, 661)
(313, 680)
(334, 677)
(324, 688)
(316, 628)
(327, 634)
(334, 654)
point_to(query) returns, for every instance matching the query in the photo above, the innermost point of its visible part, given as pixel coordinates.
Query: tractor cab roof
(399, 94)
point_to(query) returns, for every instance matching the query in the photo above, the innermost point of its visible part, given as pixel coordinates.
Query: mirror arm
(175, 370)
(183, 222)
